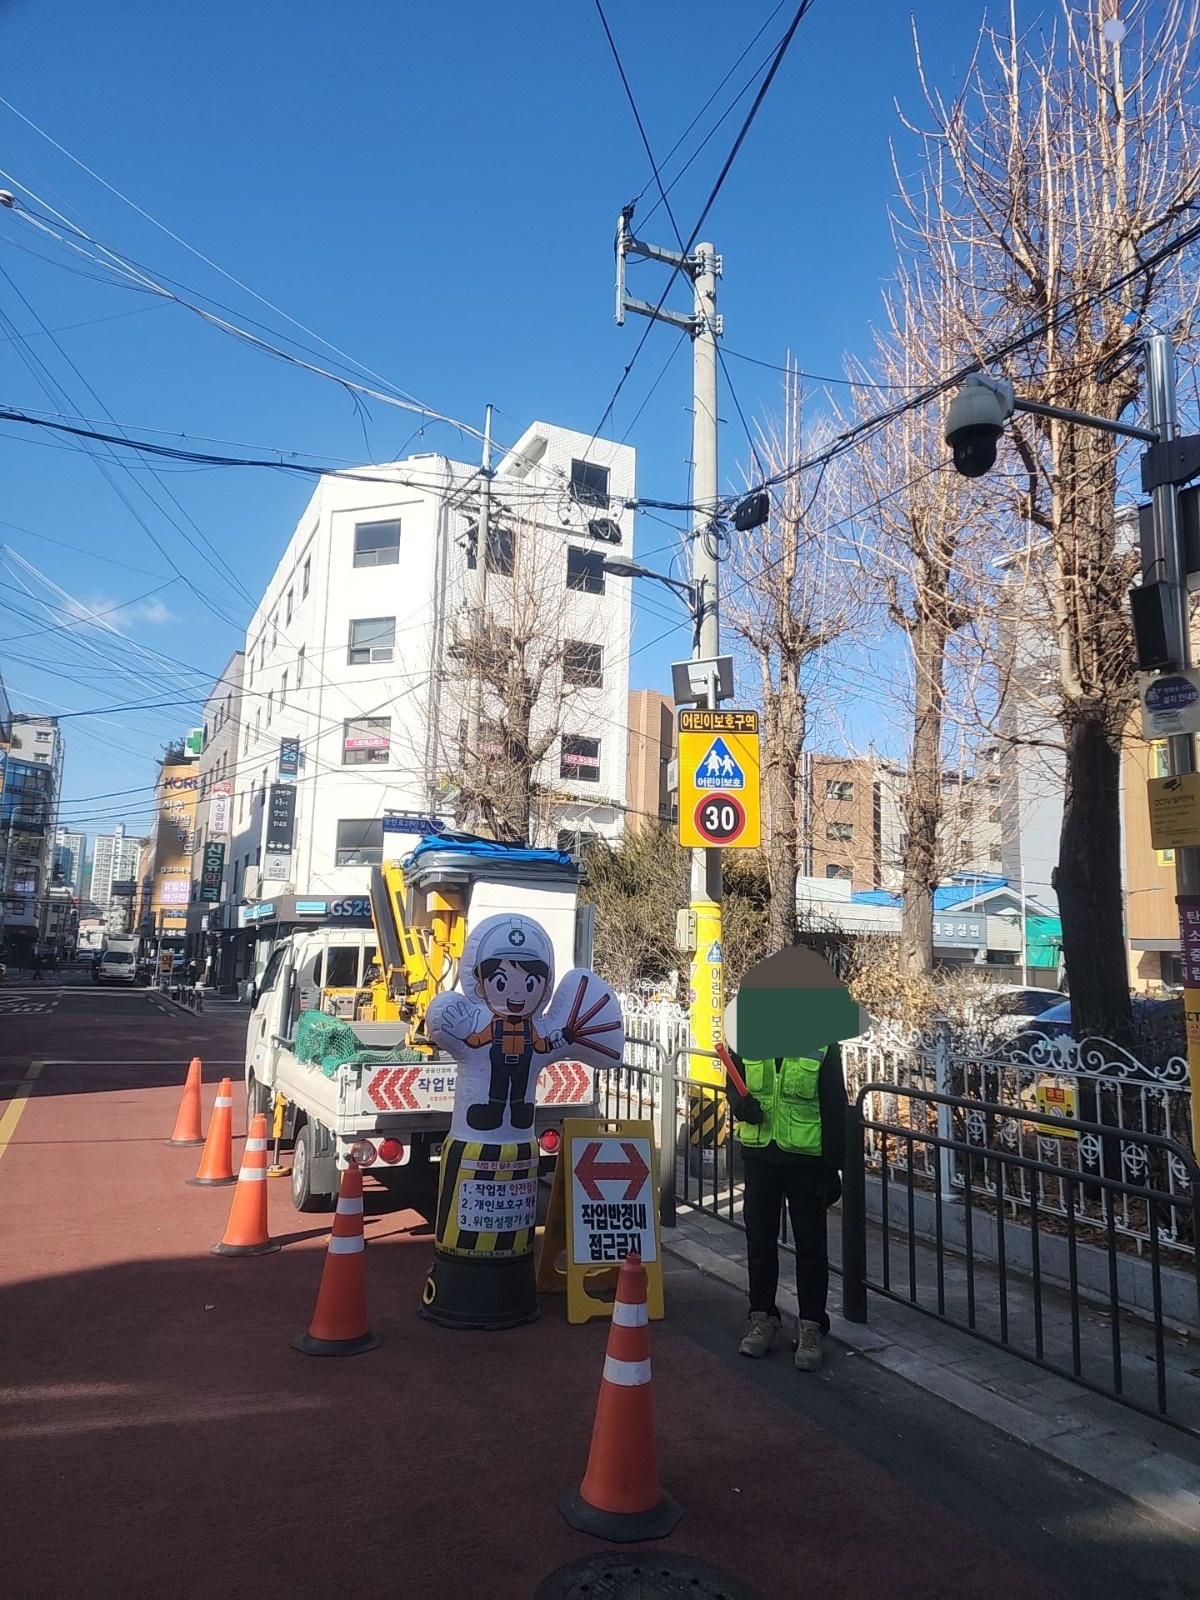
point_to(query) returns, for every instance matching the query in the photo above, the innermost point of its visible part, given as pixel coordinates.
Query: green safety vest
(791, 1108)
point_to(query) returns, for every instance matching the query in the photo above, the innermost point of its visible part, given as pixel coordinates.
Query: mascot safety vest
(791, 1109)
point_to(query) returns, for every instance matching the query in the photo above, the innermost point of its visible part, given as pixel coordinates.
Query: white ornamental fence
(1092, 1079)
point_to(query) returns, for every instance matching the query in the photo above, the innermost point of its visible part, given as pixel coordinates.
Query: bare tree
(788, 600)
(529, 663)
(1054, 174)
(916, 548)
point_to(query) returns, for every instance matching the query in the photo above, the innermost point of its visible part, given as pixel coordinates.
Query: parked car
(991, 1014)
(1157, 1025)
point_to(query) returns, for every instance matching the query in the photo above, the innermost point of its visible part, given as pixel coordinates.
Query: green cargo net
(329, 1043)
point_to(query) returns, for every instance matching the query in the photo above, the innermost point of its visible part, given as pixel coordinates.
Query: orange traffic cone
(187, 1123)
(216, 1159)
(339, 1324)
(246, 1232)
(620, 1497)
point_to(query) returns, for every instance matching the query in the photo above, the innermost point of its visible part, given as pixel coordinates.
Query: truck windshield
(341, 970)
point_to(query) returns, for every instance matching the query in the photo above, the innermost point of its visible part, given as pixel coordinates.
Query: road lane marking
(12, 1112)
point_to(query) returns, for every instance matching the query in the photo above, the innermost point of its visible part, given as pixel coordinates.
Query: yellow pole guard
(706, 998)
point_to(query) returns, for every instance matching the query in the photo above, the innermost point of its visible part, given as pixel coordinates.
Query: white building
(213, 911)
(114, 860)
(70, 853)
(351, 653)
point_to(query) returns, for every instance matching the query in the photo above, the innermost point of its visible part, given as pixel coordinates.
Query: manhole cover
(642, 1577)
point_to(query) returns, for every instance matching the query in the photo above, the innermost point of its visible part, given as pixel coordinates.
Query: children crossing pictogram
(719, 770)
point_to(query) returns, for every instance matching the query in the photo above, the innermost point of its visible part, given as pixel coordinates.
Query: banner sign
(211, 872)
(281, 819)
(289, 759)
(220, 812)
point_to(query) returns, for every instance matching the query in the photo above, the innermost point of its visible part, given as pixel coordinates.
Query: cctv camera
(975, 422)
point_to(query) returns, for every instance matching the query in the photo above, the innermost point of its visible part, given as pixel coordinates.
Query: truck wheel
(258, 1098)
(304, 1196)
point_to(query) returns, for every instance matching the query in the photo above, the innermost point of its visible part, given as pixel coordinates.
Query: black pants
(801, 1183)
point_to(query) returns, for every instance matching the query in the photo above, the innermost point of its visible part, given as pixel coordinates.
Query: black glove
(746, 1108)
(831, 1186)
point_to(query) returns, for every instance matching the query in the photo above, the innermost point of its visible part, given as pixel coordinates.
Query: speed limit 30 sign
(718, 779)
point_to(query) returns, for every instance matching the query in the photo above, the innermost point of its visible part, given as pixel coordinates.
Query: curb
(1161, 1483)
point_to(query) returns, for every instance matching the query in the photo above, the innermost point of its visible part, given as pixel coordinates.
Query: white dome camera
(975, 422)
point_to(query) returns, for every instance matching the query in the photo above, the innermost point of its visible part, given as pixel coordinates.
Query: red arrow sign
(592, 1172)
(391, 1088)
(377, 1089)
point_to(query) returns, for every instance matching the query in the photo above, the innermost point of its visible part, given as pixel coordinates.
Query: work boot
(808, 1348)
(764, 1330)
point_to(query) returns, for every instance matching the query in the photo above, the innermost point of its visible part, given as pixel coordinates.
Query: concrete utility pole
(479, 612)
(704, 325)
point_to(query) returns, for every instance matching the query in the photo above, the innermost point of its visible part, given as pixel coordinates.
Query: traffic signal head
(975, 422)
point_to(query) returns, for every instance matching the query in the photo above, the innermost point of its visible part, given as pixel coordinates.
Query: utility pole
(478, 621)
(704, 326)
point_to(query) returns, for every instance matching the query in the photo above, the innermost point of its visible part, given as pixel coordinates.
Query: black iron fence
(1064, 1289)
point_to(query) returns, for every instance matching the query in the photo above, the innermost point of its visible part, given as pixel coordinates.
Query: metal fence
(1002, 1092)
(1032, 1299)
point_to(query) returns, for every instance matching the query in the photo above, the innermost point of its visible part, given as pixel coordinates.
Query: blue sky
(432, 189)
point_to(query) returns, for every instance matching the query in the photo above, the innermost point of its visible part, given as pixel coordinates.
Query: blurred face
(512, 992)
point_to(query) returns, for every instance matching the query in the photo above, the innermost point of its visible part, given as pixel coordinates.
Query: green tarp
(329, 1043)
(1043, 941)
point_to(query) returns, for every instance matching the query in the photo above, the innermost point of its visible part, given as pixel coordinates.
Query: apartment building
(648, 796)
(354, 699)
(70, 855)
(29, 797)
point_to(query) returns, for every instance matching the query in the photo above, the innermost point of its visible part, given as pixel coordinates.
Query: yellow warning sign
(719, 780)
(1174, 811)
(603, 1207)
(1058, 1100)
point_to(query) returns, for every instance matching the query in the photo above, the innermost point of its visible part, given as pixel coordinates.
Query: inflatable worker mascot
(502, 1032)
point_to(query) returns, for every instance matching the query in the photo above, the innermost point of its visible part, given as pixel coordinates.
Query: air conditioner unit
(253, 884)
(288, 888)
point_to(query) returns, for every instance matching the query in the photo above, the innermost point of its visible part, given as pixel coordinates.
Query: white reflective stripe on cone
(222, 1100)
(629, 1374)
(256, 1144)
(630, 1316)
(350, 1208)
(252, 1174)
(345, 1244)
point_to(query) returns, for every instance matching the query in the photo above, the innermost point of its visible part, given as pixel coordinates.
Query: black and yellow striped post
(483, 1269)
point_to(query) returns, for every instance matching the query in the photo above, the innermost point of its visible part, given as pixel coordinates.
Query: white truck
(393, 1116)
(118, 960)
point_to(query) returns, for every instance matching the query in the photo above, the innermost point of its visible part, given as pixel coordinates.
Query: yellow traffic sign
(718, 779)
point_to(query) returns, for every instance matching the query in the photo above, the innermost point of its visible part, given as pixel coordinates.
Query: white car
(116, 966)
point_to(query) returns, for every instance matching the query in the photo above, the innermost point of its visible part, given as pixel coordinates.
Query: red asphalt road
(158, 1435)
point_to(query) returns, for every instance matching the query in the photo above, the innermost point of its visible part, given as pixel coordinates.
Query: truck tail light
(362, 1151)
(549, 1140)
(391, 1151)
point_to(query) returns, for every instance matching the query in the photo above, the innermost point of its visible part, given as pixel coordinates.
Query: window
(365, 741)
(360, 844)
(580, 759)
(589, 484)
(834, 869)
(840, 830)
(42, 736)
(501, 549)
(300, 667)
(376, 544)
(270, 705)
(251, 663)
(305, 576)
(287, 606)
(246, 741)
(262, 651)
(583, 664)
(372, 639)
(274, 630)
(573, 841)
(585, 570)
(839, 789)
(257, 723)
(283, 690)
(994, 814)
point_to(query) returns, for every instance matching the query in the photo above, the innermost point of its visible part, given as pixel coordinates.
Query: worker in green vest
(784, 1030)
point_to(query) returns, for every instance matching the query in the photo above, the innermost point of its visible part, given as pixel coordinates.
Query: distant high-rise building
(114, 858)
(30, 780)
(70, 851)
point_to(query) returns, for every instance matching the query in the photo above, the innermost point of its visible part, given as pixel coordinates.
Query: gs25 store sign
(351, 908)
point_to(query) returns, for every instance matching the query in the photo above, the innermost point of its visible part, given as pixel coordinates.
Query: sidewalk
(1149, 1462)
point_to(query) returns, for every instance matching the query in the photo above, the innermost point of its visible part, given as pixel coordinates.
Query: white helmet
(508, 938)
